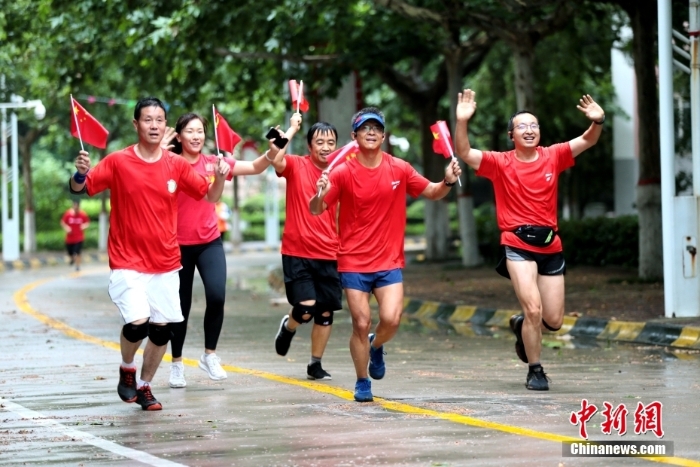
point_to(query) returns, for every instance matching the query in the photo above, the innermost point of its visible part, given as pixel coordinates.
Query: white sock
(141, 383)
(131, 365)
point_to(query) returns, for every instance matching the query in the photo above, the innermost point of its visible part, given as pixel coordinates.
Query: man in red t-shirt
(74, 222)
(144, 255)
(372, 189)
(309, 248)
(525, 185)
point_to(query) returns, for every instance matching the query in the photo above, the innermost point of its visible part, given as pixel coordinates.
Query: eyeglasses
(525, 126)
(369, 128)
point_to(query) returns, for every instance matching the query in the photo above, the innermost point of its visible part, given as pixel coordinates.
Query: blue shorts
(368, 281)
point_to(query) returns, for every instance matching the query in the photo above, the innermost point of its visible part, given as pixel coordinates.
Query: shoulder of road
(463, 319)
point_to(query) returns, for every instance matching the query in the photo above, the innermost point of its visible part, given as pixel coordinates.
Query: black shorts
(548, 264)
(74, 248)
(312, 279)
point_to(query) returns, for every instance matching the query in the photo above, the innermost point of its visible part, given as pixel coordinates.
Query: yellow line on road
(22, 302)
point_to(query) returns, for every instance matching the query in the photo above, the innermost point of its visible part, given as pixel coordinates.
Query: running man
(201, 244)
(371, 189)
(74, 222)
(309, 247)
(144, 256)
(525, 185)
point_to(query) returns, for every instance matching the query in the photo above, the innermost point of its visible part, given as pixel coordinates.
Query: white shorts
(146, 296)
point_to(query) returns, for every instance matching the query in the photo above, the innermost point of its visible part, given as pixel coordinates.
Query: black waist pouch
(535, 235)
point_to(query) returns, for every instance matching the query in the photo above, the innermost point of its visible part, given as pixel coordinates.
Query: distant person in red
(74, 222)
(309, 248)
(372, 189)
(525, 181)
(201, 244)
(144, 255)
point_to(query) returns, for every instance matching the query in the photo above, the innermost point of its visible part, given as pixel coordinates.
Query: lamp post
(10, 224)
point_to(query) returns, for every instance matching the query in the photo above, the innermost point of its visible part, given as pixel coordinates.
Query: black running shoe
(314, 371)
(127, 384)
(537, 379)
(516, 325)
(146, 400)
(284, 336)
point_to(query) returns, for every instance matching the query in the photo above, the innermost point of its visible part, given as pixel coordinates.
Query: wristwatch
(448, 183)
(600, 122)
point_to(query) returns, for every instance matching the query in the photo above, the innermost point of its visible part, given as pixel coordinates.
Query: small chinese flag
(339, 156)
(297, 95)
(227, 139)
(442, 144)
(86, 127)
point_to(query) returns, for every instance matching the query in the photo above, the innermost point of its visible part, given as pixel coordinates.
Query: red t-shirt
(196, 218)
(526, 192)
(306, 235)
(143, 220)
(75, 221)
(373, 212)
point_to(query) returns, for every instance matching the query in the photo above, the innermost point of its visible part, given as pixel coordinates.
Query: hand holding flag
(442, 143)
(296, 92)
(86, 128)
(339, 156)
(226, 138)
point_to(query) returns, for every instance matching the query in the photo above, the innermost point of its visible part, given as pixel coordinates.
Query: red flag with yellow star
(86, 128)
(442, 143)
(296, 92)
(226, 138)
(340, 156)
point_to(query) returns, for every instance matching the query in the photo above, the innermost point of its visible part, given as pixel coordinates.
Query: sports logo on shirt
(395, 184)
(172, 186)
(548, 176)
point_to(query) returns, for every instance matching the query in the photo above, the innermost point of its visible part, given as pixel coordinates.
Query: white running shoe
(177, 375)
(210, 363)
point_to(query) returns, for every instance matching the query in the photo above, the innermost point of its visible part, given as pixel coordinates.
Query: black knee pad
(299, 310)
(135, 332)
(319, 318)
(159, 335)
(550, 327)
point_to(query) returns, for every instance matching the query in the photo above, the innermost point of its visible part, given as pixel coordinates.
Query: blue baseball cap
(359, 121)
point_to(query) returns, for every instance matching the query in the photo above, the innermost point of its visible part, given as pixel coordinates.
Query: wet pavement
(448, 399)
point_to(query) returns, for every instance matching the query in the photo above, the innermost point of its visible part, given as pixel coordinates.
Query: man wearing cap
(372, 189)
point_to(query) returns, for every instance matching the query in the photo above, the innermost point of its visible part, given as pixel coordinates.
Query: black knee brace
(159, 335)
(135, 332)
(299, 310)
(318, 315)
(550, 327)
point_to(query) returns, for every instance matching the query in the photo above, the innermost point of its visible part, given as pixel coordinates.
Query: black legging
(210, 261)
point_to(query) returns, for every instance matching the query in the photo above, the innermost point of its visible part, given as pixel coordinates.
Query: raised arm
(279, 162)
(82, 165)
(217, 187)
(439, 190)
(466, 106)
(590, 137)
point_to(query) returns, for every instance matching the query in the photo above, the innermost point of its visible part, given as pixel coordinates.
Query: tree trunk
(523, 67)
(643, 19)
(436, 221)
(465, 201)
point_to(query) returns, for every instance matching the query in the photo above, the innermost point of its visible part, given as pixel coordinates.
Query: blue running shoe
(363, 390)
(376, 360)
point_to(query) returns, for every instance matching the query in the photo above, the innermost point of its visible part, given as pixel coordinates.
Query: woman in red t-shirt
(201, 245)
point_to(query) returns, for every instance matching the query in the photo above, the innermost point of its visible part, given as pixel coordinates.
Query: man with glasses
(371, 189)
(525, 185)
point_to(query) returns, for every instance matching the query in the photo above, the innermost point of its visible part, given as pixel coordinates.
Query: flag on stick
(86, 128)
(340, 156)
(442, 142)
(226, 138)
(296, 92)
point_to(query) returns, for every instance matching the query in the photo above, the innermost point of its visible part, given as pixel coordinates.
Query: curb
(462, 318)
(50, 260)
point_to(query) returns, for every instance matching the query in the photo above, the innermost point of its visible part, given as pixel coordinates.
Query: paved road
(447, 399)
